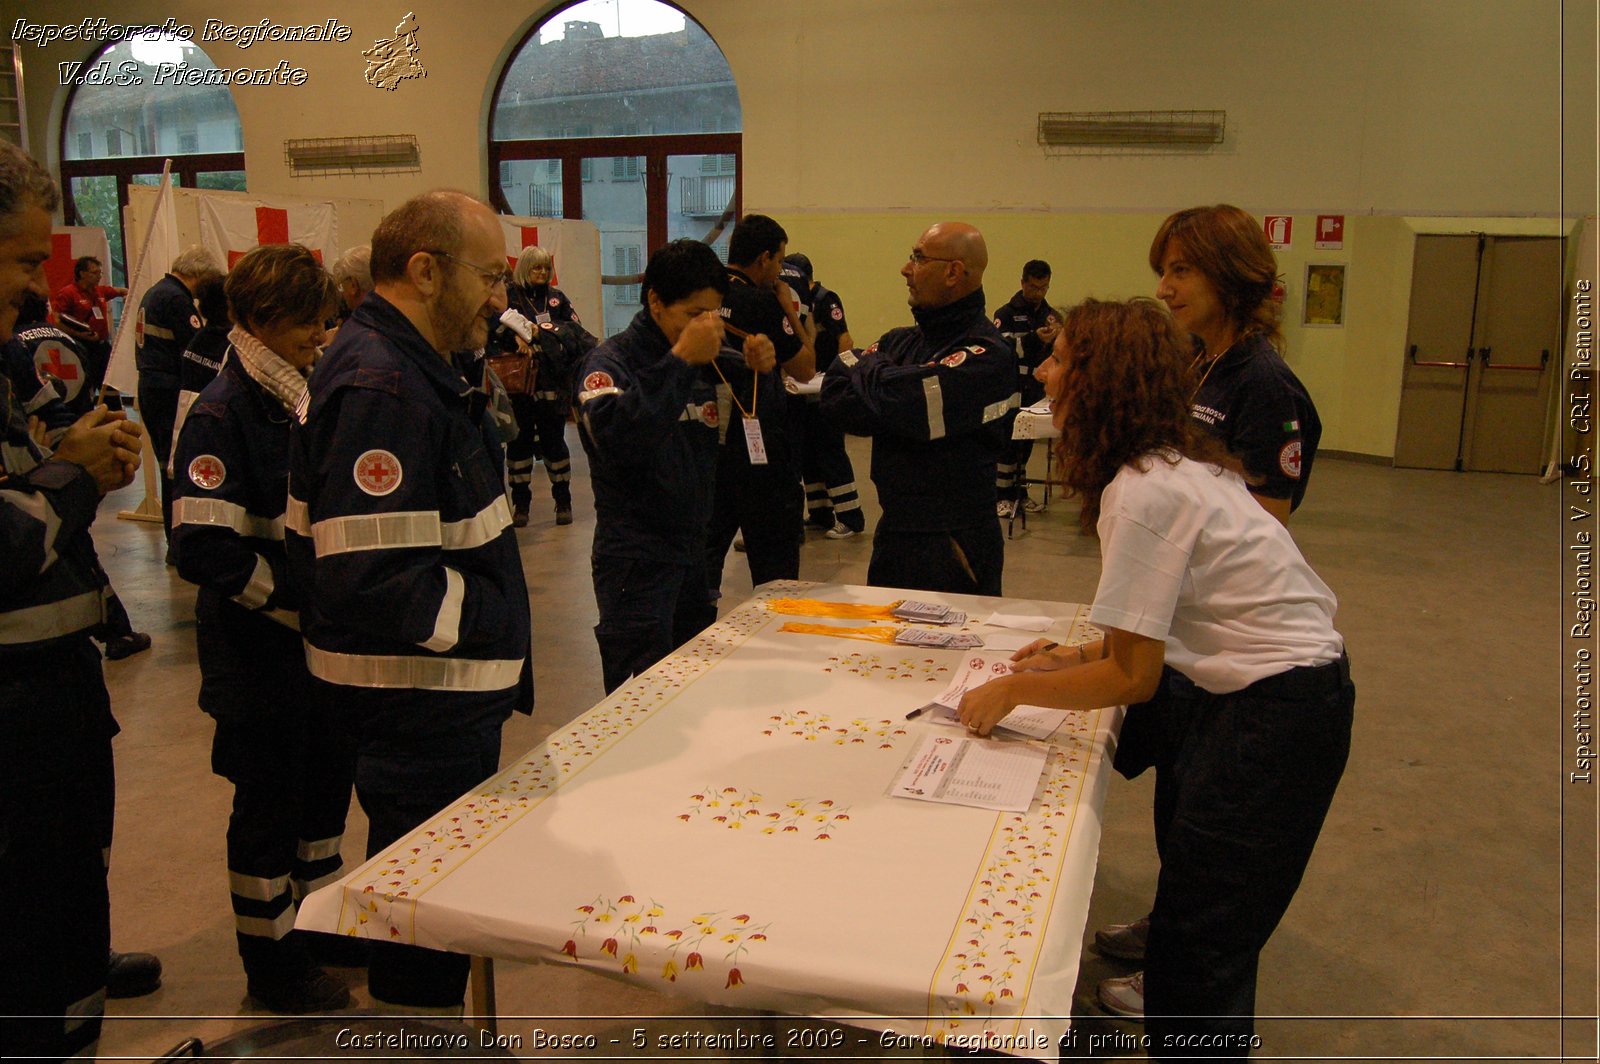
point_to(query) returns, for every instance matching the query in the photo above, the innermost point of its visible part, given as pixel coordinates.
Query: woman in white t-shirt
(1196, 577)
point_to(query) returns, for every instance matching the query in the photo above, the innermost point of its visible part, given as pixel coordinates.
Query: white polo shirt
(1189, 557)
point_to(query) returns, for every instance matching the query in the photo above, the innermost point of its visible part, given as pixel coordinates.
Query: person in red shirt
(81, 307)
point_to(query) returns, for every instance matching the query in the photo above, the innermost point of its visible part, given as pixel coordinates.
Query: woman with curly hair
(1199, 579)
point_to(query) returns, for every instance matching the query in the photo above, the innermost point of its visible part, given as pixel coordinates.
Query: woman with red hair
(1198, 578)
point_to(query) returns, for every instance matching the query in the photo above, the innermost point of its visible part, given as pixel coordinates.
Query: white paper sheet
(978, 772)
(1036, 722)
(1021, 622)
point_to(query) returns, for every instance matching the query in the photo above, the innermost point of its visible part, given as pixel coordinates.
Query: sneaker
(1005, 509)
(123, 646)
(306, 990)
(1123, 941)
(563, 515)
(840, 531)
(132, 974)
(519, 517)
(1032, 505)
(1124, 996)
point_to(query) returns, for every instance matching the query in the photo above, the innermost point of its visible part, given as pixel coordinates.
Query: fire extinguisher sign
(1279, 229)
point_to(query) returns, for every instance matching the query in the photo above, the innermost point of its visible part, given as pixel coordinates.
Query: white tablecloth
(718, 828)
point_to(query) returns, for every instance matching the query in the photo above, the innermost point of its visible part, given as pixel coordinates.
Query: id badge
(542, 319)
(753, 443)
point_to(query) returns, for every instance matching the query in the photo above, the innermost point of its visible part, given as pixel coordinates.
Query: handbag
(518, 371)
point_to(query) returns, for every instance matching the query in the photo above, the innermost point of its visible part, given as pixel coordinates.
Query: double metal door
(1482, 352)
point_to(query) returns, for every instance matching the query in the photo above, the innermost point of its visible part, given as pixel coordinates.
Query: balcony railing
(544, 201)
(704, 197)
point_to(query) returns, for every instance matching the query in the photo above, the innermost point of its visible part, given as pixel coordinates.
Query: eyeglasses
(917, 258)
(491, 278)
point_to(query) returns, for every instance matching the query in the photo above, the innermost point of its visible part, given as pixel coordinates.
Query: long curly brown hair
(1125, 384)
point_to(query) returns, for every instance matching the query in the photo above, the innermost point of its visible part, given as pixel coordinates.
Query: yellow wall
(867, 119)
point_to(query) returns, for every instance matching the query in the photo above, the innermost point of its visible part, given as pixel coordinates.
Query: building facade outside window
(141, 126)
(623, 112)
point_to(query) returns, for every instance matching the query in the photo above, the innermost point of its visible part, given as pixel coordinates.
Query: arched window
(623, 112)
(130, 110)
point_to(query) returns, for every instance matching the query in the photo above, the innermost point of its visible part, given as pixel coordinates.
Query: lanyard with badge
(754, 444)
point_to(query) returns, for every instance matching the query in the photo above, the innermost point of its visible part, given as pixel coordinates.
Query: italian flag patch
(1291, 426)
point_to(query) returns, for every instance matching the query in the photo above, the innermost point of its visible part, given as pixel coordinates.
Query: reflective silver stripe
(259, 927)
(194, 510)
(36, 506)
(297, 516)
(848, 358)
(426, 674)
(83, 1010)
(995, 411)
(160, 332)
(318, 849)
(522, 476)
(408, 528)
(547, 396)
(257, 888)
(846, 507)
(302, 887)
(447, 627)
(479, 529)
(52, 619)
(584, 397)
(259, 589)
(105, 856)
(934, 395)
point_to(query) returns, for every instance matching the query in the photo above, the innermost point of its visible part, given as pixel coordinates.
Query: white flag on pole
(160, 247)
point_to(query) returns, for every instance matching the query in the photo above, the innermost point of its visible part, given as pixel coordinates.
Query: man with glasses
(415, 612)
(938, 399)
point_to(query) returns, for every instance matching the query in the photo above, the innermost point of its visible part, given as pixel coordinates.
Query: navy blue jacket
(648, 421)
(1018, 323)
(1253, 402)
(938, 400)
(168, 320)
(399, 536)
(230, 485)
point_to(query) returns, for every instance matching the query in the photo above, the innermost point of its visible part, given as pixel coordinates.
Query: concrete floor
(1432, 900)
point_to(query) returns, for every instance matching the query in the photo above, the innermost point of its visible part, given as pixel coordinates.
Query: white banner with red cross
(576, 247)
(68, 244)
(230, 227)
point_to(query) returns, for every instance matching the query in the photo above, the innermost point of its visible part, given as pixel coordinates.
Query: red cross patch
(194, 321)
(597, 380)
(838, 313)
(554, 302)
(953, 360)
(708, 414)
(208, 472)
(1289, 459)
(547, 327)
(378, 472)
(55, 359)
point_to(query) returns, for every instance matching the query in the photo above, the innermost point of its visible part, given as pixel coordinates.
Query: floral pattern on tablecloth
(869, 733)
(736, 808)
(877, 667)
(628, 928)
(380, 904)
(983, 979)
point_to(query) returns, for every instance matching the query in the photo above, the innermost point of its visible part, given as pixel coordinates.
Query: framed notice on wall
(1324, 294)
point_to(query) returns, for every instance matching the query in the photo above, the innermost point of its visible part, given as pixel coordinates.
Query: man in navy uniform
(938, 399)
(1030, 325)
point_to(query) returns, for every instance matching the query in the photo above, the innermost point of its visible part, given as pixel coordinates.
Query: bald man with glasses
(938, 399)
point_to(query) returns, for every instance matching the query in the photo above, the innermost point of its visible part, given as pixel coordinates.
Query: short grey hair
(532, 258)
(22, 182)
(354, 265)
(195, 263)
